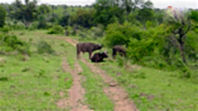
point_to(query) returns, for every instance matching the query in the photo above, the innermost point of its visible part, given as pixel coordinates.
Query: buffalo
(87, 47)
(118, 49)
(98, 57)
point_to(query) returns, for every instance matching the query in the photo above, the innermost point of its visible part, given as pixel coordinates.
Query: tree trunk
(182, 47)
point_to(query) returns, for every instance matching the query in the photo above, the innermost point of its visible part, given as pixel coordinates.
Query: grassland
(35, 83)
(155, 90)
(152, 89)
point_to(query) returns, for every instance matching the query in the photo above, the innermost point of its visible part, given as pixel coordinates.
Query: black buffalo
(87, 47)
(118, 49)
(98, 57)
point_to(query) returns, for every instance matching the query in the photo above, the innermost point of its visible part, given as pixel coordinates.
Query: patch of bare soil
(76, 92)
(118, 96)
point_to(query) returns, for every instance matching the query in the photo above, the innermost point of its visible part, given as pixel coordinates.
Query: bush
(44, 47)
(191, 47)
(117, 34)
(82, 34)
(16, 25)
(57, 29)
(42, 23)
(5, 29)
(96, 32)
(64, 20)
(12, 43)
(33, 26)
(150, 49)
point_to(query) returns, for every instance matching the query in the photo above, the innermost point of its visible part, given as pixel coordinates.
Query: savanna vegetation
(160, 71)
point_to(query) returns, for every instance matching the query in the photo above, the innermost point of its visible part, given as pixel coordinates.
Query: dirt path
(76, 92)
(118, 96)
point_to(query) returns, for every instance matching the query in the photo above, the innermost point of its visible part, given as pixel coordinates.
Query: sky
(157, 3)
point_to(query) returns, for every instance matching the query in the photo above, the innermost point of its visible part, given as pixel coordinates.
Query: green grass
(154, 90)
(34, 84)
(94, 97)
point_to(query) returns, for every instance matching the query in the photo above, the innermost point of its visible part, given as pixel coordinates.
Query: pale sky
(157, 3)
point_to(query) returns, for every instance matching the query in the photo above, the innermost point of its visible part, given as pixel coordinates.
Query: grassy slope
(169, 91)
(155, 90)
(33, 84)
(95, 97)
(166, 90)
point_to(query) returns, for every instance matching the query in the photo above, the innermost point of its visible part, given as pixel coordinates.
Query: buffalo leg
(90, 55)
(78, 54)
(114, 53)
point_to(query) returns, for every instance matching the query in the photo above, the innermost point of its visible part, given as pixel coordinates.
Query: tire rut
(117, 95)
(76, 92)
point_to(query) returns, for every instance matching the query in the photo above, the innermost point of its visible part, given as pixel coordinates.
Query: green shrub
(57, 29)
(33, 26)
(5, 29)
(16, 25)
(150, 50)
(186, 72)
(96, 32)
(44, 47)
(42, 23)
(191, 47)
(12, 43)
(117, 34)
(83, 35)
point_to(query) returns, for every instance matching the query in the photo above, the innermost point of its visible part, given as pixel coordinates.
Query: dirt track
(76, 92)
(118, 96)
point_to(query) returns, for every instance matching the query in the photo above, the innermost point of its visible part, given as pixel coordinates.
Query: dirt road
(76, 93)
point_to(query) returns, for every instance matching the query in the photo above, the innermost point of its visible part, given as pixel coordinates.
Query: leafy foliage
(24, 12)
(12, 43)
(107, 13)
(42, 23)
(117, 34)
(44, 47)
(64, 21)
(83, 18)
(2, 16)
(57, 29)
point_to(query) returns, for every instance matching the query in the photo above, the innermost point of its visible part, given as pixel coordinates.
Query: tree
(130, 5)
(194, 15)
(108, 11)
(179, 24)
(82, 17)
(2, 16)
(146, 12)
(136, 4)
(25, 12)
(64, 20)
(43, 9)
(159, 15)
